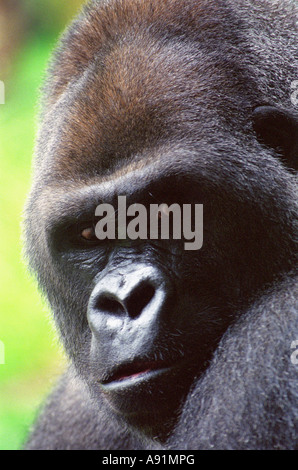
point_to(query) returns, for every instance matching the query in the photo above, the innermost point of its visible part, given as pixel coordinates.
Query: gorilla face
(157, 115)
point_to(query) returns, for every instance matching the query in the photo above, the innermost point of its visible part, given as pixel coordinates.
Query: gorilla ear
(278, 129)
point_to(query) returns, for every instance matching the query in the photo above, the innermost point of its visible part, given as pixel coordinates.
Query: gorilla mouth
(133, 371)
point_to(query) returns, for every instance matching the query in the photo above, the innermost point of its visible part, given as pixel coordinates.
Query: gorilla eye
(278, 129)
(88, 234)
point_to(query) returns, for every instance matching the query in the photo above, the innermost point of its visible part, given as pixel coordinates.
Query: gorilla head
(164, 102)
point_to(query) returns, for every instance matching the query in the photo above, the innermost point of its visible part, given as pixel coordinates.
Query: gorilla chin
(146, 400)
(176, 104)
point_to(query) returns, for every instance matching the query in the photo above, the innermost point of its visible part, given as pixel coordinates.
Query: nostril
(139, 299)
(109, 305)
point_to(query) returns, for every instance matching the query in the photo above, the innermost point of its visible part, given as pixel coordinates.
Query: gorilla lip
(133, 371)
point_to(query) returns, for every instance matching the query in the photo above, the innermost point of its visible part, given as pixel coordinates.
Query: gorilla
(186, 102)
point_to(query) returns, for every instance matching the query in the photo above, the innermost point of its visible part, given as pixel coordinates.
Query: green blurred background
(28, 32)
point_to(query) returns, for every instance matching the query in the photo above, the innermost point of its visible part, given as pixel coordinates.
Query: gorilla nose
(133, 304)
(130, 292)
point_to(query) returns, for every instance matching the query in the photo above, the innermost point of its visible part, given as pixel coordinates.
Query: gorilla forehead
(141, 84)
(123, 104)
(103, 23)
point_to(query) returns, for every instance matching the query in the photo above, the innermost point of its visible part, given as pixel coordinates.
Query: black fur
(172, 101)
